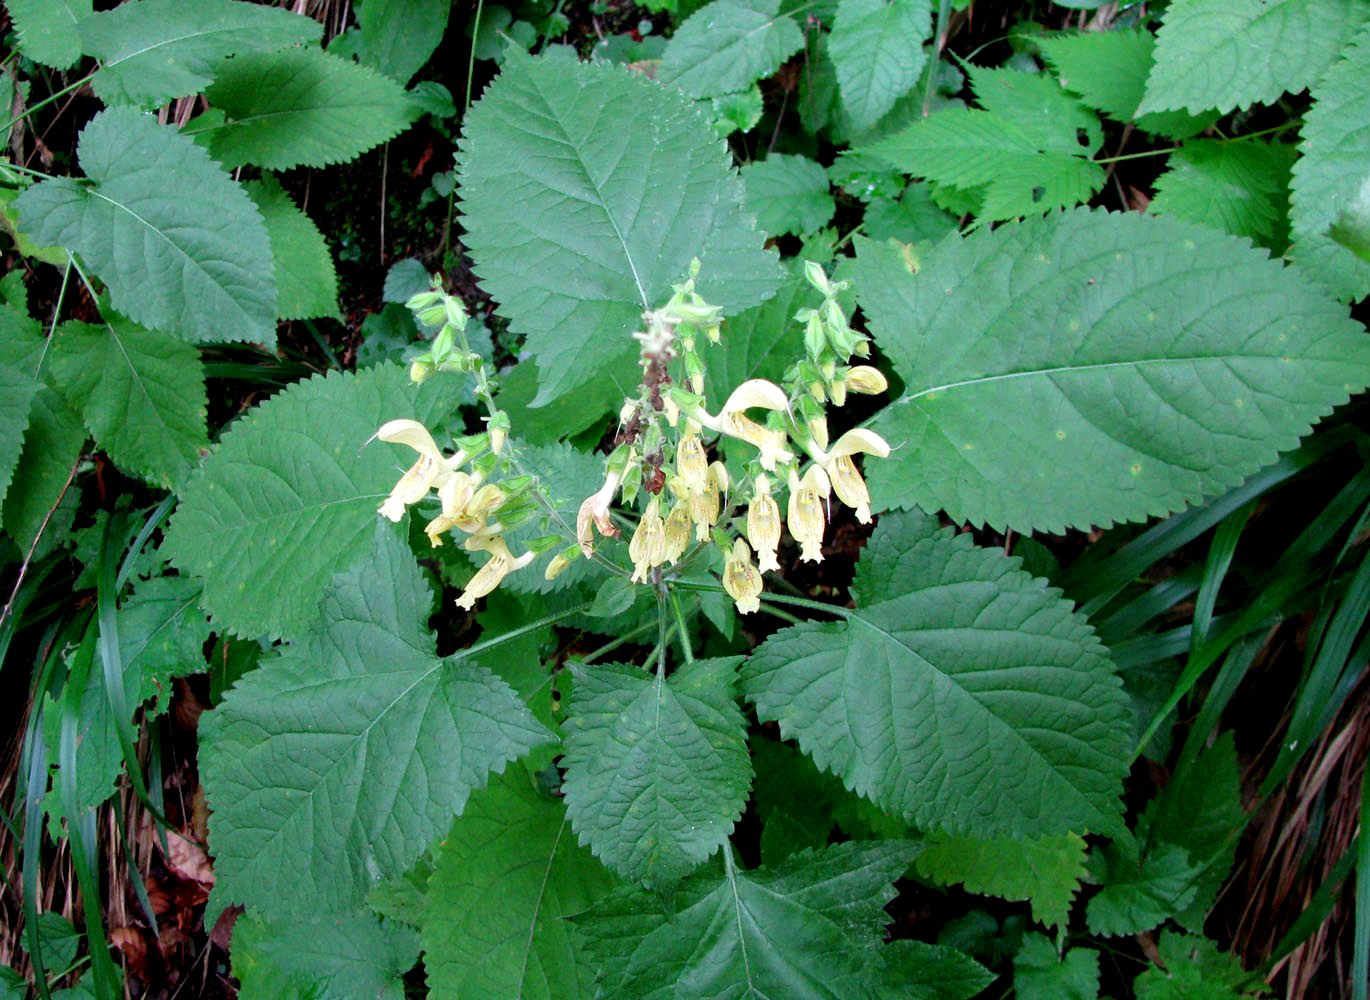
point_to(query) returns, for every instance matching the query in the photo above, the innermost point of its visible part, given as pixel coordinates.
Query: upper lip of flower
(858, 439)
(431, 468)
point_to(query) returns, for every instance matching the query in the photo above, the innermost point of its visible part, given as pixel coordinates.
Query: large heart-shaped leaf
(657, 770)
(809, 930)
(1093, 367)
(177, 241)
(962, 693)
(586, 191)
(141, 393)
(338, 762)
(153, 50)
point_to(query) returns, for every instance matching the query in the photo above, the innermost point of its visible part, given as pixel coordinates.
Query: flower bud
(817, 277)
(867, 380)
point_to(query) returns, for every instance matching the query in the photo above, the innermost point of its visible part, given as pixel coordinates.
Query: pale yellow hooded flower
(647, 548)
(763, 524)
(691, 463)
(502, 563)
(806, 516)
(430, 470)
(705, 507)
(454, 494)
(846, 480)
(741, 579)
(867, 380)
(595, 511)
(677, 533)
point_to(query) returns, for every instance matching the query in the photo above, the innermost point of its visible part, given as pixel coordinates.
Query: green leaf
(1094, 367)
(1352, 226)
(551, 172)
(162, 633)
(1108, 69)
(736, 112)
(398, 36)
(1194, 969)
(657, 771)
(940, 685)
(1140, 894)
(21, 346)
(52, 444)
(176, 240)
(1330, 172)
(338, 762)
(351, 956)
(918, 971)
(789, 194)
(1046, 871)
(12, 985)
(1036, 102)
(877, 49)
(914, 217)
(1040, 974)
(141, 393)
(1237, 187)
(301, 108)
(1027, 147)
(290, 496)
(59, 940)
(1200, 810)
(1226, 54)
(728, 45)
(809, 930)
(306, 283)
(153, 50)
(48, 29)
(506, 877)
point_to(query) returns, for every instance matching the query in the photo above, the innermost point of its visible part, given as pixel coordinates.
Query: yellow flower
(488, 577)
(431, 469)
(691, 464)
(595, 510)
(677, 533)
(473, 514)
(647, 548)
(734, 421)
(741, 579)
(868, 380)
(705, 507)
(818, 427)
(454, 494)
(846, 480)
(556, 567)
(763, 524)
(850, 487)
(806, 516)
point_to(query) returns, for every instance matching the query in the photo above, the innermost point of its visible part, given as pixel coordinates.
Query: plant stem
(44, 103)
(680, 625)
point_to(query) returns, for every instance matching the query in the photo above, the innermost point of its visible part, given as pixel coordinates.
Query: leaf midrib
(1096, 366)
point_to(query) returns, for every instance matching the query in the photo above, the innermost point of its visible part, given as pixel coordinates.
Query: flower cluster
(787, 427)
(785, 469)
(467, 503)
